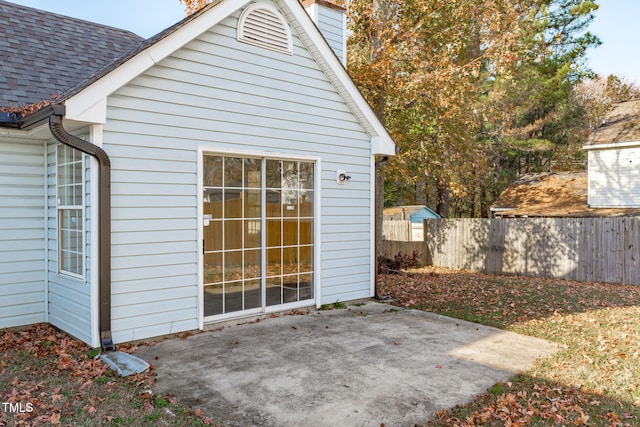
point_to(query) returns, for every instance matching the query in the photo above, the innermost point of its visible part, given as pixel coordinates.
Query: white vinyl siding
(332, 24)
(22, 232)
(614, 178)
(69, 296)
(221, 94)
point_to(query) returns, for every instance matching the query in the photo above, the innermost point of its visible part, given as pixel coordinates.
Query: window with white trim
(70, 207)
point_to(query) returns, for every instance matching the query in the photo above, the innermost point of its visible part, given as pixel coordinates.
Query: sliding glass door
(258, 227)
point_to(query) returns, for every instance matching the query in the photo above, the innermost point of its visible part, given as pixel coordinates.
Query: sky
(616, 24)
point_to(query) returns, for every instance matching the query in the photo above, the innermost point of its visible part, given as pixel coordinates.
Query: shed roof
(621, 124)
(42, 54)
(560, 194)
(405, 212)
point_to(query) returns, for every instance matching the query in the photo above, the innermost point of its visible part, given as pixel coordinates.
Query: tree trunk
(442, 206)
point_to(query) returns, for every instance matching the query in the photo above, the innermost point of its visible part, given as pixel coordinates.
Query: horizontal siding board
(150, 213)
(33, 310)
(155, 283)
(126, 333)
(121, 187)
(7, 321)
(144, 307)
(151, 201)
(346, 261)
(340, 295)
(157, 225)
(155, 295)
(147, 237)
(121, 262)
(150, 249)
(22, 232)
(153, 271)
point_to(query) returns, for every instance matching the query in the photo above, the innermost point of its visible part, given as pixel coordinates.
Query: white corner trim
(372, 215)
(83, 106)
(200, 237)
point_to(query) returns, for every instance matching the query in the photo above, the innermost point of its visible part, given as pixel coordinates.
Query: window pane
(213, 300)
(290, 175)
(252, 204)
(232, 172)
(232, 204)
(252, 234)
(252, 173)
(212, 171)
(71, 244)
(306, 231)
(306, 259)
(212, 268)
(274, 204)
(274, 174)
(306, 204)
(290, 232)
(306, 286)
(233, 266)
(274, 291)
(212, 203)
(290, 288)
(213, 236)
(289, 260)
(233, 296)
(274, 232)
(274, 265)
(232, 234)
(306, 176)
(290, 208)
(252, 294)
(252, 264)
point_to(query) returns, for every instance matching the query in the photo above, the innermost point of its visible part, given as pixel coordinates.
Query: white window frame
(62, 208)
(317, 245)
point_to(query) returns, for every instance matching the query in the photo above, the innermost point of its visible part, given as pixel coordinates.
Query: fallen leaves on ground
(51, 378)
(593, 380)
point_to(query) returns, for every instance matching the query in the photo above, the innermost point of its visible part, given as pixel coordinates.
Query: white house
(614, 159)
(222, 168)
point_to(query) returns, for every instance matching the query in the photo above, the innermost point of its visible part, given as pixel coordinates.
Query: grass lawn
(593, 380)
(48, 378)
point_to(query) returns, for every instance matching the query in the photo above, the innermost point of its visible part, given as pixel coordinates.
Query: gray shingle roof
(622, 124)
(43, 54)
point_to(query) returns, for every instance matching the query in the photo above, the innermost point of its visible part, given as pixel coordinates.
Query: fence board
(585, 249)
(397, 230)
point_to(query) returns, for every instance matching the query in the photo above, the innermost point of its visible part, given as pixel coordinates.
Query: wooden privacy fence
(397, 230)
(584, 249)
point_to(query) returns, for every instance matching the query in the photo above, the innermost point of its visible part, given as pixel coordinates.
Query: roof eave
(17, 121)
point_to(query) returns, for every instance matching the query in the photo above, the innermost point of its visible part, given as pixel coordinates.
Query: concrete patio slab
(360, 366)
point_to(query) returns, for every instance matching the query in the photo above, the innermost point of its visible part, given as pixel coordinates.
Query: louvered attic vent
(262, 25)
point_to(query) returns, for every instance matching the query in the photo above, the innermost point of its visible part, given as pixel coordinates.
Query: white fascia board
(382, 144)
(612, 145)
(90, 104)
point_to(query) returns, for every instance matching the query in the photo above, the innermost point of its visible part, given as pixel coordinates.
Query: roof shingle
(42, 54)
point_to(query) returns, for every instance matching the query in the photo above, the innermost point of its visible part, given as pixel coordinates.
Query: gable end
(262, 25)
